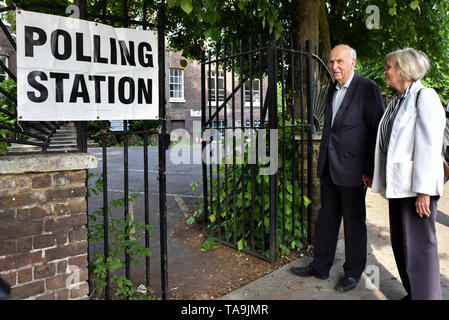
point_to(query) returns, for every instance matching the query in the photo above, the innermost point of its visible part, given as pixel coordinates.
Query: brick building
(183, 89)
(7, 56)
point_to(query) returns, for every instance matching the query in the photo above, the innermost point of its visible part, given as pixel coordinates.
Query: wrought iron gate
(124, 134)
(275, 91)
(38, 135)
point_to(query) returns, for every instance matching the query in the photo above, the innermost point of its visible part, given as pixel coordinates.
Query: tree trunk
(324, 44)
(305, 21)
(309, 22)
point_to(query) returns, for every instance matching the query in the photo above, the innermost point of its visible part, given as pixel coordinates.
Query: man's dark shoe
(347, 283)
(307, 271)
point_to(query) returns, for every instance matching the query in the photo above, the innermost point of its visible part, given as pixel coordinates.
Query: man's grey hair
(411, 64)
(353, 54)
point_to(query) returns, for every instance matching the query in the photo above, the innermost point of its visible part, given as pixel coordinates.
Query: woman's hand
(367, 182)
(423, 205)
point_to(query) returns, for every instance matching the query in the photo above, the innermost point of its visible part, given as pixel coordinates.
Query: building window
(220, 126)
(3, 74)
(177, 85)
(216, 85)
(256, 93)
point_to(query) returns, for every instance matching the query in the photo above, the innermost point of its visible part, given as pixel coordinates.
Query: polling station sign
(71, 69)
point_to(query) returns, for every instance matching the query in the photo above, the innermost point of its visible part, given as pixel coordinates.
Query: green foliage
(234, 203)
(422, 25)
(95, 127)
(124, 237)
(194, 23)
(10, 87)
(208, 244)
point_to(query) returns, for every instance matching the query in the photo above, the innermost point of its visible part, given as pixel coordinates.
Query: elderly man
(345, 166)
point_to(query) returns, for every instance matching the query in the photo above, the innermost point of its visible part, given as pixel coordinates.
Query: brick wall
(43, 234)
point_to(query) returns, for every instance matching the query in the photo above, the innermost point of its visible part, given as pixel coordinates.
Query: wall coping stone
(46, 162)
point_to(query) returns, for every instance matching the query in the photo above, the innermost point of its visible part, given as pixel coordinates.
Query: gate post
(273, 124)
(162, 146)
(81, 126)
(310, 171)
(203, 128)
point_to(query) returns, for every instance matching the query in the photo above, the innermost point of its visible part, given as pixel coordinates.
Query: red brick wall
(43, 234)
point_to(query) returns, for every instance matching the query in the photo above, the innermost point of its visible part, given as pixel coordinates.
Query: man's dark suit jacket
(349, 144)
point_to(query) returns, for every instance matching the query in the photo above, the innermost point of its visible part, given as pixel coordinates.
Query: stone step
(63, 139)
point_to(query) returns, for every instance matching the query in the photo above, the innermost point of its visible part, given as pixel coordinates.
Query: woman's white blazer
(414, 162)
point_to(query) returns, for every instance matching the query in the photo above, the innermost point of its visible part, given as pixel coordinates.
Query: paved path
(381, 268)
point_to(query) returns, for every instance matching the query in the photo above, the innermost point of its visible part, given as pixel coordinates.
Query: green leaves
(171, 3)
(392, 11)
(240, 245)
(183, 63)
(233, 205)
(187, 6)
(415, 4)
(125, 235)
(208, 244)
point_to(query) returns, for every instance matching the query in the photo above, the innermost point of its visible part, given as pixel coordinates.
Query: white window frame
(216, 79)
(6, 63)
(180, 77)
(256, 103)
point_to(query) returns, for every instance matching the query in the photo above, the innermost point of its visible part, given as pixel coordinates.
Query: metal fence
(40, 134)
(260, 213)
(277, 87)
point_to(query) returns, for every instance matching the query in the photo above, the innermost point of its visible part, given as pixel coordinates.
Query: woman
(408, 171)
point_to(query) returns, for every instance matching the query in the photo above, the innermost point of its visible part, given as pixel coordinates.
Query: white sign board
(71, 69)
(117, 125)
(195, 113)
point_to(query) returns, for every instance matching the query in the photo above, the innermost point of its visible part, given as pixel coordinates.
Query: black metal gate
(268, 99)
(128, 130)
(38, 135)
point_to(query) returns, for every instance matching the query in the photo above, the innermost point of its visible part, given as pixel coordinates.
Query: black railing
(42, 132)
(274, 87)
(144, 132)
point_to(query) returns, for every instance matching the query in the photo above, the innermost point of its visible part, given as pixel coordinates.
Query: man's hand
(368, 182)
(423, 205)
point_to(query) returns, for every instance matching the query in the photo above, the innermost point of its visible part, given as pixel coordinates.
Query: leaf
(297, 243)
(171, 3)
(414, 5)
(208, 244)
(241, 4)
(392, 11)
(183, 64)
(187, 6)
(240, 245)
(191, 220)
(216, 35)
(307, 201)
(284, 249)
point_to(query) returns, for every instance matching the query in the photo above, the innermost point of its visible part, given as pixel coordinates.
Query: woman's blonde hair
(411, 64)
